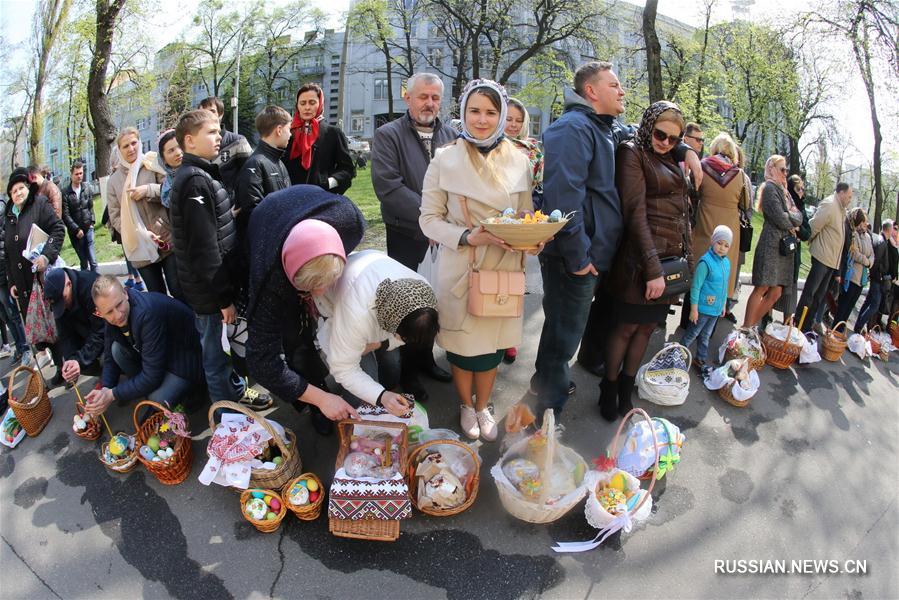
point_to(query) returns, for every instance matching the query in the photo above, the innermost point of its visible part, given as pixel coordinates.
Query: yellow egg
(267, 500)
(311, 485)
(618, 482)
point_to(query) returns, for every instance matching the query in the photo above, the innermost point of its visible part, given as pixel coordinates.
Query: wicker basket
(524, 236)
(876, 346)
(378, 530)
(754, 362)
(538, 512)
(176, 468)
(34, 412)
(665, 379)
(894, 328)
(124, 464)
(263, 525)
(781, 354)
(305, 512)
(471, 489)
(615, 447)
(291, 466)
(92, 431)
(727, 394)
(834, 342)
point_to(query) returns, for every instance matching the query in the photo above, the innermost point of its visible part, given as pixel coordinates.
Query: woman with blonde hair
(477, 176)
(772, 267)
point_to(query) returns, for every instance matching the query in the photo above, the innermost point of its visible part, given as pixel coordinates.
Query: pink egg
(275, 505)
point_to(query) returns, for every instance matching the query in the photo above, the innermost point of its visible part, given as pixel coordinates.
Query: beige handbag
(492, 293)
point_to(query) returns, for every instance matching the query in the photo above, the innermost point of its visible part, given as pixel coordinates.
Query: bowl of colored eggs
(263, 508)
(303, 496)
(525, 230)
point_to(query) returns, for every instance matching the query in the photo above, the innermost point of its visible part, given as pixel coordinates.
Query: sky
(852, 113)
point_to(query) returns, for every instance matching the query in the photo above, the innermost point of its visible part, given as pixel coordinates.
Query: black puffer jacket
(205, 236)
(77, 210)
(262, 174)
(4, 280)
(37, 210)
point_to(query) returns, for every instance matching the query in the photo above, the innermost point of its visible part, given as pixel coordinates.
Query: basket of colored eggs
(303, 496)
(119, 454)
(85, 426)
(525, 230)
(164, 445)
(263, 508)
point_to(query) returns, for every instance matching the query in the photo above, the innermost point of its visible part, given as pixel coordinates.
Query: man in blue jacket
(152, 339)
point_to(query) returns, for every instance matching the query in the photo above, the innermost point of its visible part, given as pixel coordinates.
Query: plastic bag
(429, 267)
(859, 346)
(637, 454)
(780, 332)
(11, 431)
(741, 343)
(727, 373)
(809, 352)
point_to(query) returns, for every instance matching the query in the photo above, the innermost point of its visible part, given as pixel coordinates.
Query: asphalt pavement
(807, 472)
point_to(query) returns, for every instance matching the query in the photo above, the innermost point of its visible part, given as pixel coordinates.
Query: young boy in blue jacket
(708, 293)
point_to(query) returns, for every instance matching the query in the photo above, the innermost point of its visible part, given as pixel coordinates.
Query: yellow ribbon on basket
(102, 416)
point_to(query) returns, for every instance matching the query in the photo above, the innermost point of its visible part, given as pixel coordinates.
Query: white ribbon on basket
(622, 522)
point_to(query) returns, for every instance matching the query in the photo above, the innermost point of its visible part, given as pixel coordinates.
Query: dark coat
(164, 334)
(77, 210)
(655, 209)
(205, 236)
(330, 158)
(805, 232)
(881, 265)
(80, 332)
(4, 280)
(262, 174)
(276, 313)
(399, 161)
(234, 151)
(37, 210)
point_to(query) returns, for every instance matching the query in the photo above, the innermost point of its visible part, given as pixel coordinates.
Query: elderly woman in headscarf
(317, 153)
(299, 238)
(475, 177)
(655, 209)
(376, 306)
(772, 267)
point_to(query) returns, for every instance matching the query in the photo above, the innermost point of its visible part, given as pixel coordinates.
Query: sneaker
(255, 400)
(469, 422)
(487, 424)
(27, 358)
(129, 283)
(139, 286)
(5, 351)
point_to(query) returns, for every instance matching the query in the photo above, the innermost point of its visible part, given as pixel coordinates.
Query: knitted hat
(722, 232)
(20, 175)
(307, 240)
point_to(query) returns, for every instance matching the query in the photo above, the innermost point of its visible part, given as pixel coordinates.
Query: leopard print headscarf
(395, 299)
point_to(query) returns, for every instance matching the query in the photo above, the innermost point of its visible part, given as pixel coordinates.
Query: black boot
(625, 387)
(608, 400)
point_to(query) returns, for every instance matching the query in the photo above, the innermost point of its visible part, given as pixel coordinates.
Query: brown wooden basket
(893, 328)
(727, 394)
(834, 343)
(754, 363)
(471, 489)
(273, 479)
(524, 236)
(781, 353)
(367, 529)
(172, 470)
(92, 431)
(124, 464)
(305, 512)
(35, 410)
(263, 525)
(876, 346)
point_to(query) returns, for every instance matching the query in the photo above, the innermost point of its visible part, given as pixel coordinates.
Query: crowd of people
(258, 246)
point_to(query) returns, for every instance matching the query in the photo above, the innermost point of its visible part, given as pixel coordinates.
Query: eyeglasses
(698, 139)
(661, 136)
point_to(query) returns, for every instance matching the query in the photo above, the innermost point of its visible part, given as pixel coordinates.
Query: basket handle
(834, 328)
(285, 452)
(151, 403)
(18, 370)
(655, 447)
(413, 454)
(753, 332)
(549, 431)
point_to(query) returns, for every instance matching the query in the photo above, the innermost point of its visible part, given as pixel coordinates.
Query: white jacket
(351, 322)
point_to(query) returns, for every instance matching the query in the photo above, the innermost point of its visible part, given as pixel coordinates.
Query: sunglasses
(698, 139)
(661, 136)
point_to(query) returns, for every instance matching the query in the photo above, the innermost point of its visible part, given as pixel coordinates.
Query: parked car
(357, 145)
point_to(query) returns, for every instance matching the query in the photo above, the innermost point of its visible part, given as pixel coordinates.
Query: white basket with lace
(665, 379)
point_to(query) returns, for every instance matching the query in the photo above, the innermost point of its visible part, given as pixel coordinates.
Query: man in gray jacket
(400, 154)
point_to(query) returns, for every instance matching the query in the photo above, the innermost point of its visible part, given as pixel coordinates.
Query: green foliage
(548, 74)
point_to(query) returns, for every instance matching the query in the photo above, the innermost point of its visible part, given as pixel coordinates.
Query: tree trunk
(795, 162)
(653, 51)
(697, 110)
(863, 58)
(98, 103)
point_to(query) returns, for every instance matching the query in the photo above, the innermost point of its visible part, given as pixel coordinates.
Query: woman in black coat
(27, 208)
(318, 153)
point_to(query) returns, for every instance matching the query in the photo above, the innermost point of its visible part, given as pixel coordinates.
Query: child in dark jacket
(708, 293)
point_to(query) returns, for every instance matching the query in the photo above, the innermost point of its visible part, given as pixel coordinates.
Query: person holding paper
(29, 216)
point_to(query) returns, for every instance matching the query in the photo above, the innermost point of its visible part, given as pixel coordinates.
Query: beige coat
(826, 242)
(154, 215)
(451, 176)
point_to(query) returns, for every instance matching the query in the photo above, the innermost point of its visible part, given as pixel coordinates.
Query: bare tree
(220, 38)
(49, 17)
(707, 8)
(653, 51)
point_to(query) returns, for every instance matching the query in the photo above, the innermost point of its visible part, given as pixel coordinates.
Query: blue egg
(259, 495)
(555, 216)
(509, 212)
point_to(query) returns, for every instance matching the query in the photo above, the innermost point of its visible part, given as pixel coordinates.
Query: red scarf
(305, 134)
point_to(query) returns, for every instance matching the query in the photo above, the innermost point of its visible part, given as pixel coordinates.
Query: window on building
(435, 56)
(357, 122)
(380, 89)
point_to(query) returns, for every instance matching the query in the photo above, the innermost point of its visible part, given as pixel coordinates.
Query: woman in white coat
(484, 171)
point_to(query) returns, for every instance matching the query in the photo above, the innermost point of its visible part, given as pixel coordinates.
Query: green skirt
(477, 364)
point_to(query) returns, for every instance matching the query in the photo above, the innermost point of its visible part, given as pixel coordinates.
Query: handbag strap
(471, 254)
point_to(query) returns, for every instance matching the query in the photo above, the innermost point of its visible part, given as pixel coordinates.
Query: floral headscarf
(643, 137)
(495, 137)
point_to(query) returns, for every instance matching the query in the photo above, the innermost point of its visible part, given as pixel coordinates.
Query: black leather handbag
(676, 272)
(745, 232)
(788, 245)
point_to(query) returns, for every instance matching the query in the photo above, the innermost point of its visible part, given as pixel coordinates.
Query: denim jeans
(870, 306)
(162, 277)
(701, 331)
(222, 381)
(566, 307)
(14, 319)
(170, 392)
(814, 292)
(84, 248)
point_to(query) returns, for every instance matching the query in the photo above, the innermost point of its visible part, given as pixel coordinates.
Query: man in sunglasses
(694, 138)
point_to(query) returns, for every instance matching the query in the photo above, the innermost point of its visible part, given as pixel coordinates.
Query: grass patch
(104, 247)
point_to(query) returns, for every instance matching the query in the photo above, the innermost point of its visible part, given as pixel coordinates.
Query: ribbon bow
(177, 423)
(622, 522)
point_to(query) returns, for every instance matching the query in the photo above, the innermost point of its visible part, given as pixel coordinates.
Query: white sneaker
(469, 421)
(5, 350)
(487, 424)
